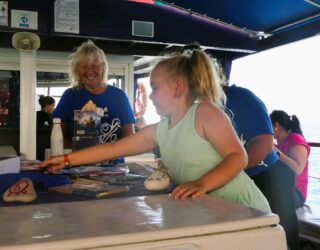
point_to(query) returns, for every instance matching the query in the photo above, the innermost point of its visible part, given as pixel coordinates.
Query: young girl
(197, 142)
(293, 150)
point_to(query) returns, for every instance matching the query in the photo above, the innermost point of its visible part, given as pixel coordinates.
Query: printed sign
(66, 16)
(3, 13)
(24, 19)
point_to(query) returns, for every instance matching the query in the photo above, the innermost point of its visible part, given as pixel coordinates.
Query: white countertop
(117, 221)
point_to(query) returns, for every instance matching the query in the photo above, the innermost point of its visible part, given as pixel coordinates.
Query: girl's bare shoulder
(206, 108)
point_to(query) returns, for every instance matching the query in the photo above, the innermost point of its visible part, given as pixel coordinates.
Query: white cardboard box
(9, 164)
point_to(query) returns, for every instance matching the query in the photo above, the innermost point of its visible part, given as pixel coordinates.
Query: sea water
(311, 132)
(314, 177)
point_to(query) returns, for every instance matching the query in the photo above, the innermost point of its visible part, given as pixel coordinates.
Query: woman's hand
(53, 164)
(195, 189)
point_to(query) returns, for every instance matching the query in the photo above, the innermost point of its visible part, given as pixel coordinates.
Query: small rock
(22, 190)
(158, 180)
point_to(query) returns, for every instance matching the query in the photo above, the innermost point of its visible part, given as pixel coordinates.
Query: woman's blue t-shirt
(113, 101)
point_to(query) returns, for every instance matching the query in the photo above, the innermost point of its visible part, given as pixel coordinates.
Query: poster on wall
(24, 19)
(3, 13)
(66, 16)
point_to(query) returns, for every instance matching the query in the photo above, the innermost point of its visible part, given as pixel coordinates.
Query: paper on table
(95, 190)
(102, 170)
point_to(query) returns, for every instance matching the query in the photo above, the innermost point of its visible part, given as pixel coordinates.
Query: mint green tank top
(188, 156)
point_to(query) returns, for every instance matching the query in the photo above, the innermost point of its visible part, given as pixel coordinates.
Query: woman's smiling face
(91, 73)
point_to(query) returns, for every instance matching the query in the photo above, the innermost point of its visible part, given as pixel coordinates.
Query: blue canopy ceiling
(226, 28)
(172, 26)
(256, 15)
(278, 21)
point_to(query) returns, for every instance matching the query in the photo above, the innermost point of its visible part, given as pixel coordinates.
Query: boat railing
(314, 144)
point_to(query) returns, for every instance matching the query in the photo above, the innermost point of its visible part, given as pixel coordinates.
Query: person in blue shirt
(89, 71)
(275, 179)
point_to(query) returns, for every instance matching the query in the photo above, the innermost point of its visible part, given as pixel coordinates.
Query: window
(151, 115)
(9, 97)
(51, 84)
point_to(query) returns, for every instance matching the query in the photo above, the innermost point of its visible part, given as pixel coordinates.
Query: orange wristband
(66, 160)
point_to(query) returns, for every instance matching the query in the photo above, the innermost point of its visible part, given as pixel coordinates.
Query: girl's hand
(52, 164)
(195, 189)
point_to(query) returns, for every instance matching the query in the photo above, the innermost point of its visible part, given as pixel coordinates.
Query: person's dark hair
(290, 123)
(44, 100)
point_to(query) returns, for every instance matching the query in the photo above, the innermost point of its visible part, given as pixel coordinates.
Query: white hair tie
(188, 53)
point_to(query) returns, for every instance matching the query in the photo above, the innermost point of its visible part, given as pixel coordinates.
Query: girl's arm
(214, 126)
(141, 142)
(296, 159)
(218, 130)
